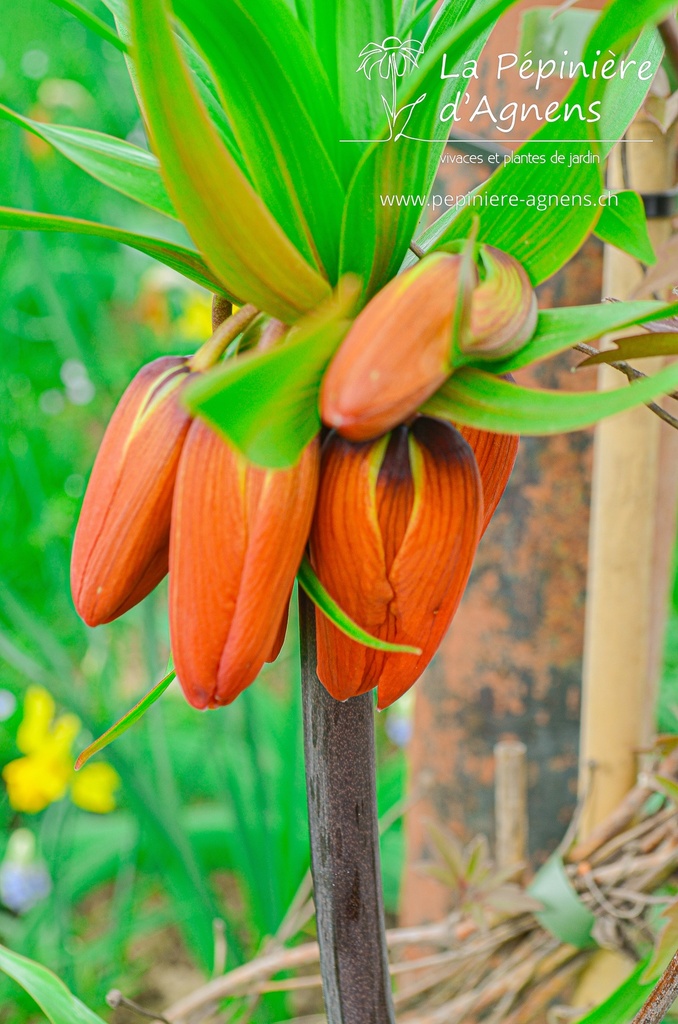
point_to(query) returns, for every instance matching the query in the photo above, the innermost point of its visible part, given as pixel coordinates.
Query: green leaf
(329, 607)
(129, 169)
(285, 120)
(123, 724)
(563, 914)
(560, 329)
(358, 24)
(242, 242)
(376, 235)
(92, 22)
(475, 398)
(48, 991)
(549, 232)
(624, 225)
(625, 1001)
(200, 76)
(640, 346)
(266, 404)
(184, 261)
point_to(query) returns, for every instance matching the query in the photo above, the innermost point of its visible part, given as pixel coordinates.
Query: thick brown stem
(662, 998)
(342, 811)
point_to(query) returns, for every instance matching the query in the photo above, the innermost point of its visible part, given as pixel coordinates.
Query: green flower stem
(342, 811)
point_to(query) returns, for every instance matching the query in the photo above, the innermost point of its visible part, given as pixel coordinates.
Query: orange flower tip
(120, 551)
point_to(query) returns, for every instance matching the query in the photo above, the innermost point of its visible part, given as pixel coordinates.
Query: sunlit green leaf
(475, 398)
(240, 239)
(58, 1004)
(124, 723)
(185, 261)
(266, 403)
(91, 21)
(377, 232)
(329, 607)
(624, 225)
(287, 124)
(560, 329)
(128, 169)
(200, 74)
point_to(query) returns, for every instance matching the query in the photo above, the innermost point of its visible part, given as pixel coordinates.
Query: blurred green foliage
(212, 817)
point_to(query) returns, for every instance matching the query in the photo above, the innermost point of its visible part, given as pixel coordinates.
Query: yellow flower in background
(45, 773)
(93, 788)
(196, 320)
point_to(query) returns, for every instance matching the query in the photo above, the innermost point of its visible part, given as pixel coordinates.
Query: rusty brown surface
(511, 664)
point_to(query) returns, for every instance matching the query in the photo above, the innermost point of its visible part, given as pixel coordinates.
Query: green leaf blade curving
(118, 164)
(475, 398)
(242, 242)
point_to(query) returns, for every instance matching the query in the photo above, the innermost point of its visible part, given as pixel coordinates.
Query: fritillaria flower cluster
(391, 505)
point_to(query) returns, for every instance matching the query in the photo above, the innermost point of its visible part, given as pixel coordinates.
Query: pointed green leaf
(286, 122)
(91, 21)
(200, 75)
(242, 242)
(58, 1004)
(129, 169)
(266, 404)
(405, 166)
(475, 398)
(640, 346)
(624, 225)
(560, 329)
(123, 724)
(329, 607)
(184, 261)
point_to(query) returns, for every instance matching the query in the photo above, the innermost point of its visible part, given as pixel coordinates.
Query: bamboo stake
(624, 614)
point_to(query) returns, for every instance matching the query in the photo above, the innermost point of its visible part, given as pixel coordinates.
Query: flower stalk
(343, 823)
(227, 331)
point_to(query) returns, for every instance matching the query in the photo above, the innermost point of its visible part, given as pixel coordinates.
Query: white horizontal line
(492, 142)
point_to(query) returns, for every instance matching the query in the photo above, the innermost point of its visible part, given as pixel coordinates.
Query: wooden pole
(510, 795)
(631, 539)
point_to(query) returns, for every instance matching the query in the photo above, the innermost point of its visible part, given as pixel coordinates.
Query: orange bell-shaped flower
(393, 539)
(121, 545)
(399, 349)
(237, 539)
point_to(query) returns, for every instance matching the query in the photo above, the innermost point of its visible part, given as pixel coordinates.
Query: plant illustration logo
(393, 58)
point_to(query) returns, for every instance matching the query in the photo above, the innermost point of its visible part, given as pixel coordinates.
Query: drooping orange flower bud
(496, 456)
(393, 539)
(238, 536)
(399, 350)
(120, 552)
